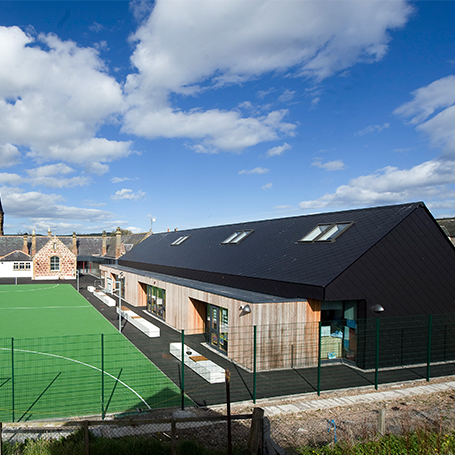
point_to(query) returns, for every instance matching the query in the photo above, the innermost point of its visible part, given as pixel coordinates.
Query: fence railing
(59, 377)
(215, 432)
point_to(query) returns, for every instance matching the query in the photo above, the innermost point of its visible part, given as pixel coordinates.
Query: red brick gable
(64, 263)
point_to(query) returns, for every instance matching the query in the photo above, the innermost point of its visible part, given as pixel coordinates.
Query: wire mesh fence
(213, 432)
(58, 377)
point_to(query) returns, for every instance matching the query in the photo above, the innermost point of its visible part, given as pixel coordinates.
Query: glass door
(217, 327)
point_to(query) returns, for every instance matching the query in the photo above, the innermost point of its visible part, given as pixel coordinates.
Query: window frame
(323, 236)
(237, 237)
(52, 266)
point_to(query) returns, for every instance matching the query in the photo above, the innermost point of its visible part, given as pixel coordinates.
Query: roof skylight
(325, 232)
(236, 237)
(180, 240)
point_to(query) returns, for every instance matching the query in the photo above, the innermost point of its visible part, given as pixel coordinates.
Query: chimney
(74, 247)
(33, 243)
(49, 232)
(25, 245)
(118, 243)
(104, 248)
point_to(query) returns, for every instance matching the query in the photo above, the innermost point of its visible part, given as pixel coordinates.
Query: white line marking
(29, 290)
(81, 363)
(44, 307)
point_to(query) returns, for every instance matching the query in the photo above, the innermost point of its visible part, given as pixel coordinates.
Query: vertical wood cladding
(410, 271)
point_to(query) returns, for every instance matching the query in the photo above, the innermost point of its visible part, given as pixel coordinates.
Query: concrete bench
(140, 323)
(109, 301)
(205, 368)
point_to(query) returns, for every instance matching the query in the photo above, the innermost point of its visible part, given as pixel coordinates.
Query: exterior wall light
(245, 309)
(378, 308)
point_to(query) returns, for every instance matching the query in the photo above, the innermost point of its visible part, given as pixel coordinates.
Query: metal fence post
(183, 370)
(376, 369)
(254, 362)
(319, 358)
(102, 377)
(430, 322)
(12, 377)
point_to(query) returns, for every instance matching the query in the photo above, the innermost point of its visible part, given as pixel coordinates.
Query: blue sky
(202, 112)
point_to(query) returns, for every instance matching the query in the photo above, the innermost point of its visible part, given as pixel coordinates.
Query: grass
(130, 445)
(420, 442)
(59, 357)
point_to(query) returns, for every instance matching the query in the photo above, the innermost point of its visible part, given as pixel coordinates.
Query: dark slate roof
(448, 226)
(16, 256)
(10, 243)
(271, 251)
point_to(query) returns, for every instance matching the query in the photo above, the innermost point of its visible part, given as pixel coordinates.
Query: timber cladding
(277, 347)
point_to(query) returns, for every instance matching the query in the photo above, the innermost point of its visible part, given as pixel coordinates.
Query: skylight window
(325, 232)
(236, 237)
(180, 240)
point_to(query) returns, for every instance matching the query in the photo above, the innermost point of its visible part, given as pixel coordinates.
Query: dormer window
(180, 240)
(325, 232)
(237, 237)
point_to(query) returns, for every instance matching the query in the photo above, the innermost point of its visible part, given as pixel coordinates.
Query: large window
(339, 329)
(55, 263)
(325, 232)
(156, 301)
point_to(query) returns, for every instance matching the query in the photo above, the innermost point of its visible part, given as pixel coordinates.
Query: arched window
(55, 263)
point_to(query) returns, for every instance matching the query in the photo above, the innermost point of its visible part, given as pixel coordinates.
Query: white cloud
(120, 179)
(391, 185)
(286, 96)
(268, 186)
(9, 155)
(38, 205)
(373, 129)
(336, 165)
(127, 194)
(10, 179)
(54, 96)
(279, 150)
(186, 47)
(256, 170)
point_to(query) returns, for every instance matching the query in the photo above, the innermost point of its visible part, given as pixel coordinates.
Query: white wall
(6, 270)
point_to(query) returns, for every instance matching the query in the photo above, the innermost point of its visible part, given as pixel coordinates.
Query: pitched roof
(16, 256)
(272, 250)
(9, 243)
(448, 226)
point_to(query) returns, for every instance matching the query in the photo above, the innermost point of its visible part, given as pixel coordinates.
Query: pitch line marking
(30, 290)
(81, 363)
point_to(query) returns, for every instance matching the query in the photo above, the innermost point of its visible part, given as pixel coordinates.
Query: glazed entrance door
(217, 325)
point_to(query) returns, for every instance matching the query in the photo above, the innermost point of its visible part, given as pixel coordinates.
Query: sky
(180, 114)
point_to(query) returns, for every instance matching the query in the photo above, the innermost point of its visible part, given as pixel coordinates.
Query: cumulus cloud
(187, 47)
(256, 170)
(279, 150)
(9, 155)
(127, 194)
(54, 96)
(268, 186)
(50, 176)
(120, 179)
(336, 165)
(38, 205)
(390, 185)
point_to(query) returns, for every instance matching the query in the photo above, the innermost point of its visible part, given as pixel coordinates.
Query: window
(21, 266)
(180, 240)
(55, 263)
(156, 301)
(325, 232)
(236, 237)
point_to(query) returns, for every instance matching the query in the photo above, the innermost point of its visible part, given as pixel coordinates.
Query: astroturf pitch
(59, 357)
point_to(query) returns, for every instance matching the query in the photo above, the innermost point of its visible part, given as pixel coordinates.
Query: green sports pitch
(59, 357)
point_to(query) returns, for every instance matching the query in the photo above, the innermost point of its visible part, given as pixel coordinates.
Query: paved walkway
(387, 395)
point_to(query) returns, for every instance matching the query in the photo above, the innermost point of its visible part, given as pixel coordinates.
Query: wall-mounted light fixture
(245, 309)
(378, 308)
